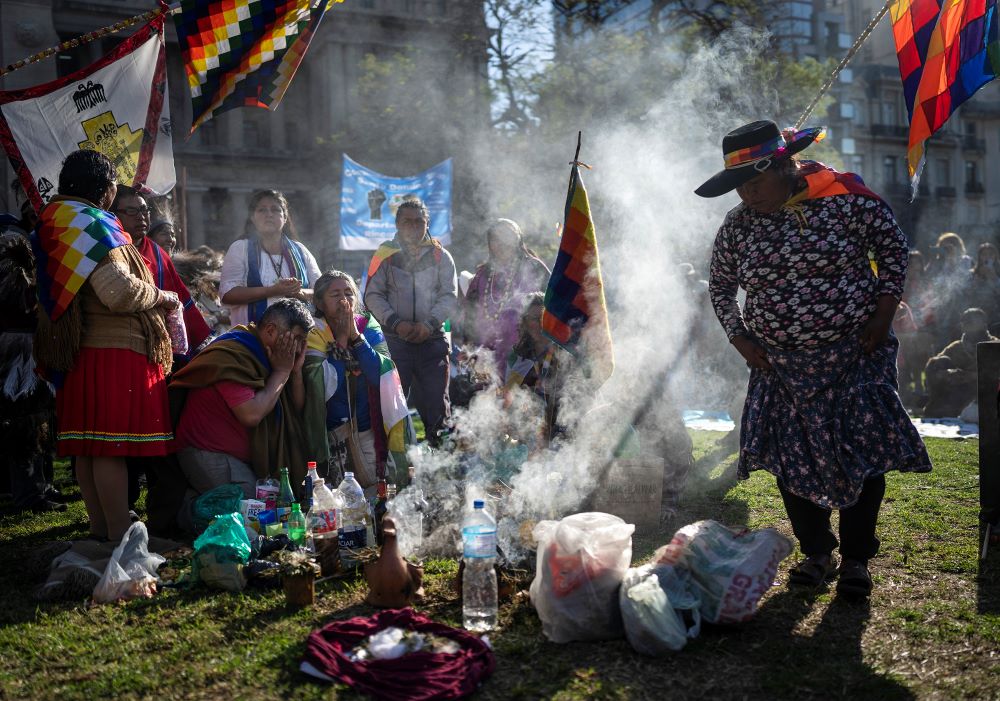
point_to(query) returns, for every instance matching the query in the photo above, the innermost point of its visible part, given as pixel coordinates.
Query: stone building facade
(297, 148)
(960, 187)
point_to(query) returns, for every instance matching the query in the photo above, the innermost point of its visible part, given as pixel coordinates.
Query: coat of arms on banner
(116, 106)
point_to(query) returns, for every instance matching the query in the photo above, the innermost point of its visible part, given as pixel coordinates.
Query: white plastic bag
(580, 565)
(131, 572)
(732, 570)
(659, 609)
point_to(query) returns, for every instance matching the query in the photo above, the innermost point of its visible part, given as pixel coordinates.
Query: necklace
(276, 266)
(499, 304)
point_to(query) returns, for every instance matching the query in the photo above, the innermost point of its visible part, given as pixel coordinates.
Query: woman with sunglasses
(133, 212)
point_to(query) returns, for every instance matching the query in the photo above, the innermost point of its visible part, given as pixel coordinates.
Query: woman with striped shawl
(354, 399)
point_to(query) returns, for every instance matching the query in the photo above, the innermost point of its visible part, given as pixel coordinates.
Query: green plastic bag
(221, 552)
(224, 499)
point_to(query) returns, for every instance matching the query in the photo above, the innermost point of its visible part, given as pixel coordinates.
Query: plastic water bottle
(297, 525)
(479, 581)
(322, 523)
(354, 518)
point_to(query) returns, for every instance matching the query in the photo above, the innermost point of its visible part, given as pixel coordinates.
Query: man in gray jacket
(412, 290)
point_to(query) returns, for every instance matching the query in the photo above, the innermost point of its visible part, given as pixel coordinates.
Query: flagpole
(89, 37)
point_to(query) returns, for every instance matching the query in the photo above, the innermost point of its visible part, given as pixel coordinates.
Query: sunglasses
(134, 211)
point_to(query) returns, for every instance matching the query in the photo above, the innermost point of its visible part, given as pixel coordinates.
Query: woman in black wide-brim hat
(822, 412)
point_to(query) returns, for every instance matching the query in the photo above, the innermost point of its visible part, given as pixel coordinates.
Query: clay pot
(300, 589)
(392, 581)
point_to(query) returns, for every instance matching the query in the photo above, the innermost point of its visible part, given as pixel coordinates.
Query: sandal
(855, 579)
(813, 571)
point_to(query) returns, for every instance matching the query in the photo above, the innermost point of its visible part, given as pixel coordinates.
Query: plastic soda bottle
(297, 525)
(479, 580)
(310, 479)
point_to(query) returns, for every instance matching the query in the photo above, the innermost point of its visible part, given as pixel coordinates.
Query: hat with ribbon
(753, 149)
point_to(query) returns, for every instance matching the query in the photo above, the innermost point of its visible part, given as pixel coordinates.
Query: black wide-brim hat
(753, 149)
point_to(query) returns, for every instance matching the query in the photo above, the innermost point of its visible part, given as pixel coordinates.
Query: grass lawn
(931, 629)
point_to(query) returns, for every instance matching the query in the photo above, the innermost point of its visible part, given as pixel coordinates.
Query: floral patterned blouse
(806, 269)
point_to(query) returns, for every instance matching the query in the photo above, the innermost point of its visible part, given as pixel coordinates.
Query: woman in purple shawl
(492, 306)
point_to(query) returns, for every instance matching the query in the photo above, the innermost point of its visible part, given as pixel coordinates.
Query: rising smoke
(648, 221)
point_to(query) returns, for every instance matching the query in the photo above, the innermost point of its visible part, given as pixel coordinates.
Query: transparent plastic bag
(580, 565)
(176, 330)
(731, 569)
(131, 571)
(659, 608)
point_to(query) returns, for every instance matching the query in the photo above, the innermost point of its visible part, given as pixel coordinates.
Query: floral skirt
(113, 403)
(823, 421)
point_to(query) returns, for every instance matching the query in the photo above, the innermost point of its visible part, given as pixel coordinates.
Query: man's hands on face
(300, 356)
(284, 353)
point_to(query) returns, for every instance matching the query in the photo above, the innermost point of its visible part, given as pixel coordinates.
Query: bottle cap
(348, 475)
(478, 504)
(296, 508)
(310, 465)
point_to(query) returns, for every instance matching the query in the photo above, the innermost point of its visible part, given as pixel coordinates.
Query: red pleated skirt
(113, 403)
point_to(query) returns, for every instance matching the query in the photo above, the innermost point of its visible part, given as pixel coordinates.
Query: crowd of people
(195, 369)
(282, 363)
(950, 303)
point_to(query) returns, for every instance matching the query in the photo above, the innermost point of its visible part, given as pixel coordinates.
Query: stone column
(196, 224)
(239, 199)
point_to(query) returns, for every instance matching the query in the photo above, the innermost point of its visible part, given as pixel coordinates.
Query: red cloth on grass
(208, 421)
(419, 676)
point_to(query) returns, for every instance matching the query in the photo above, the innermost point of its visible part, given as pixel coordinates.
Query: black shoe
(44, 505)
(813, 571)
(55, 494)
(855, 579)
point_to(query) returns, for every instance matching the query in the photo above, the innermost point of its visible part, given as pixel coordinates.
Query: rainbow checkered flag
(243, 53)
(575, 314)
(71, 239)
(947, 50)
